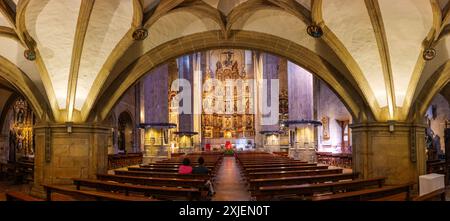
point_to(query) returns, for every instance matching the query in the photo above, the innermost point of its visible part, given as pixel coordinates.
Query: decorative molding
(350, 96)
(140, 34)
(80, 34)
(380, 34)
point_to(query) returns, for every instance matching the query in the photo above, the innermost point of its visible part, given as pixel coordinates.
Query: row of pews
(150, 182)
(273, 177)
(123, 160)
(21, 171)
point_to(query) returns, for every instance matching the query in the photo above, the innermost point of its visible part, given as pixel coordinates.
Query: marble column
(300, 85)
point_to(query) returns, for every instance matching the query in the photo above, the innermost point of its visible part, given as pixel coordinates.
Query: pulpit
(303, 145)
(156, 141)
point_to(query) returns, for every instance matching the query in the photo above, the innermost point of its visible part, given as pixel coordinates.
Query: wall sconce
(391, 126)
(69, 127)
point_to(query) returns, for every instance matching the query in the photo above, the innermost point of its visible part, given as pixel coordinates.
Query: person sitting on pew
(186, 168)
(200, 169)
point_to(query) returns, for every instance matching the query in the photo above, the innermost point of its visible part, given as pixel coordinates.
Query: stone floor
(229, 185)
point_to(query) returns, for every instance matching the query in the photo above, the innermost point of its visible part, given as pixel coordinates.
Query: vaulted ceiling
(81, 45)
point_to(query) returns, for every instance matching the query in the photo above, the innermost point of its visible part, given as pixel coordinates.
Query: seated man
(200, 169)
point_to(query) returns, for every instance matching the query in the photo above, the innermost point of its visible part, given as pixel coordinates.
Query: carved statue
(20, 116)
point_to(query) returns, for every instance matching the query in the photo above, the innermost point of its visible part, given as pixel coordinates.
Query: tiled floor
(229, 184)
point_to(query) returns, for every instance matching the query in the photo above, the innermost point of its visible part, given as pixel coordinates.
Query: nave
(247, 176)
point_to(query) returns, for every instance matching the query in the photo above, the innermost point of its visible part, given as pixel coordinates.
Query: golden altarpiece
(21, 137)
(233, 117)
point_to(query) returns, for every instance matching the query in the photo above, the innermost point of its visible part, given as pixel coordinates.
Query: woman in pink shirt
(186, 167)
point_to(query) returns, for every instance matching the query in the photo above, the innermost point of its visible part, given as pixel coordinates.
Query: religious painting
(208, 133)
(325, 128)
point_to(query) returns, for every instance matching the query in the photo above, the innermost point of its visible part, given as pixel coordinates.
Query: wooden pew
(437, 194)
(248, 166)
(269, 169)
(256, 183)
(150, 181)
(294, 173)
(19, 196)
(166, 193)
(167, 170)
(370, 194)
(161, 174)
(90, 195)
(265, 193)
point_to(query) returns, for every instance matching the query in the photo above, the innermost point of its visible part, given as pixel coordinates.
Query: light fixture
(391, 126)
(69, 127)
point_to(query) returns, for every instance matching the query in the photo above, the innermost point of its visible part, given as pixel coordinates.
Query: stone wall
(329, 105)
(4, 136)
(300, 84)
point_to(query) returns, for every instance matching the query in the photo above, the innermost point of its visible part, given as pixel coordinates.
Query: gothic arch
(338, 82)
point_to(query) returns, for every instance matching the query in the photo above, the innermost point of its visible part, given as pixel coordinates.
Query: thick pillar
(197, 99)
(258, 69)
(186, 120)
(396, 152)
(271, 139)
(300, 84)
(63, 154)
(156, 103)
(185, 72)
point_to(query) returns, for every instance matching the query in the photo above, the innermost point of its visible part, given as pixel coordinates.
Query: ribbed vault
(82, 46)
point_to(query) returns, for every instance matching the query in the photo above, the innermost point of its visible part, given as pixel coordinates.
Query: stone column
(398, 155)
(185, 71)
(61, 156)
(197, 99)
(258, 70)
(136, 129)
(156, 104)
(300, 84)
(270, 72)
(186, 120)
